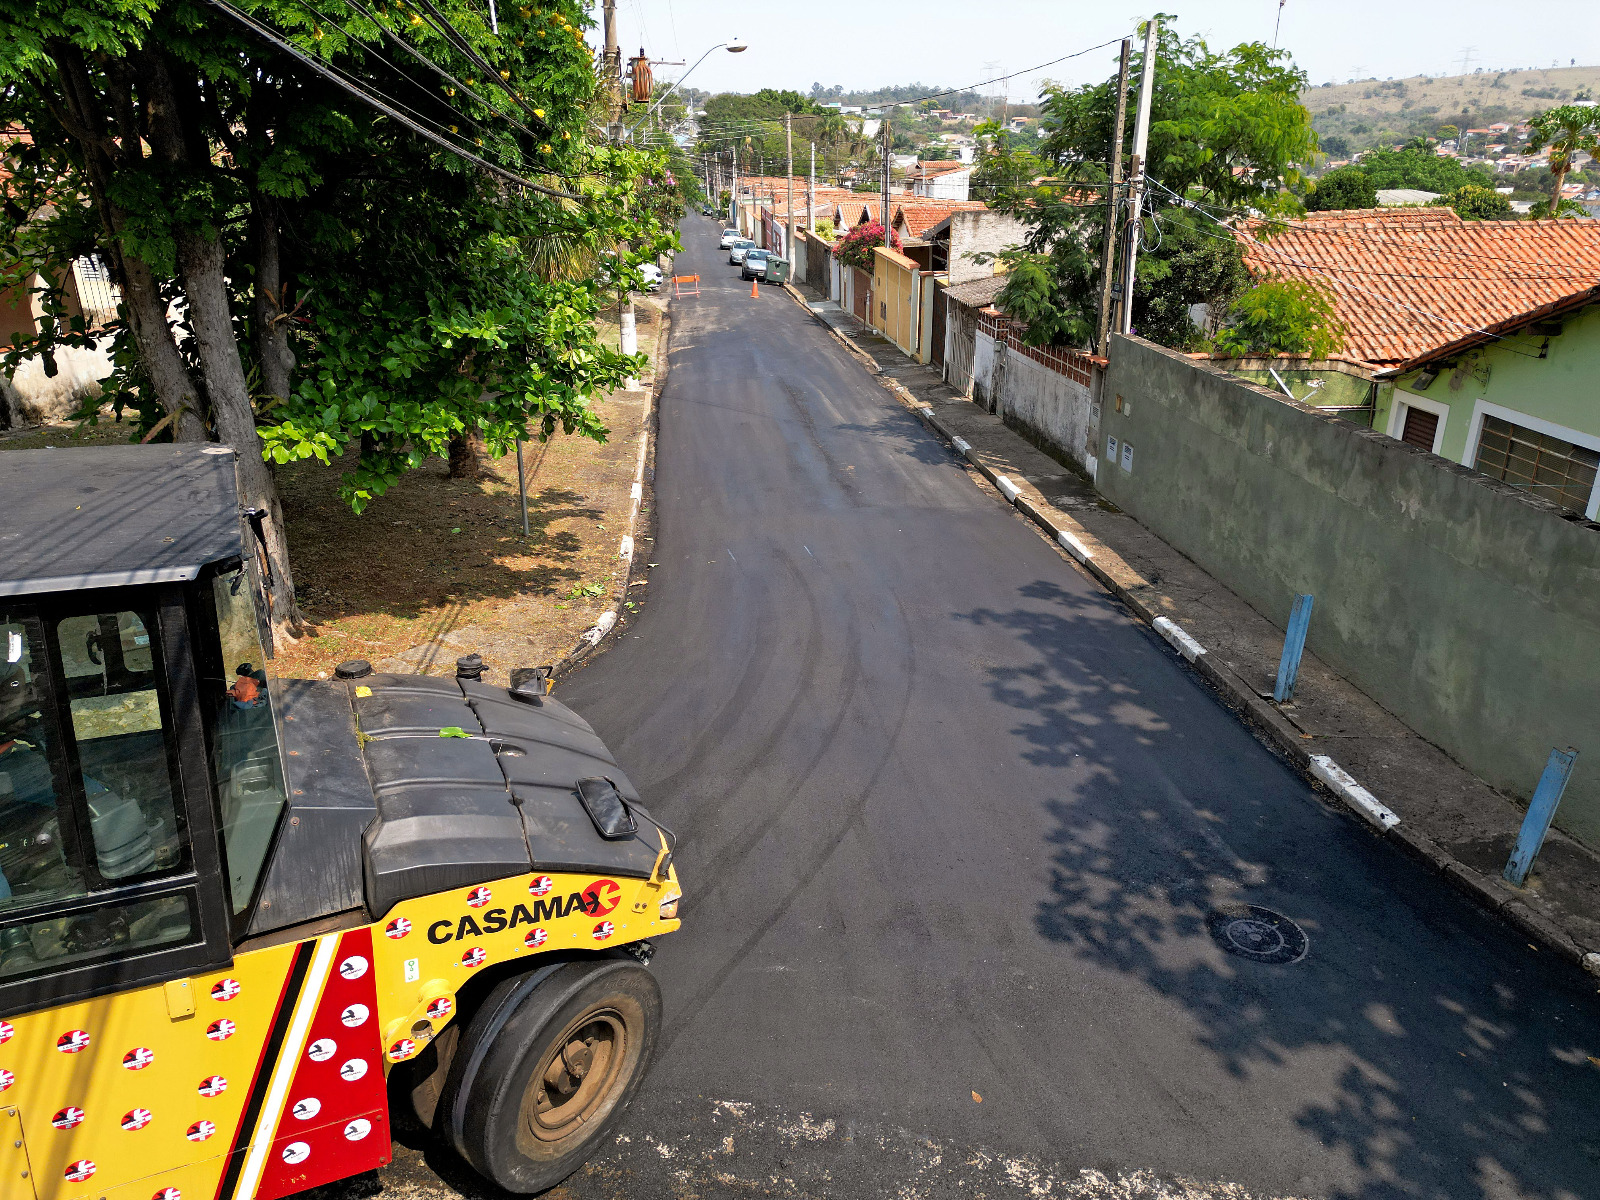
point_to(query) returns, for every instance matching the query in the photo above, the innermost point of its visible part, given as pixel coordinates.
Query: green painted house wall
(1562, 389)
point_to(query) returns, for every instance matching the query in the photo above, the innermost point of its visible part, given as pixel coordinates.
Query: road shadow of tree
(1422, 1042)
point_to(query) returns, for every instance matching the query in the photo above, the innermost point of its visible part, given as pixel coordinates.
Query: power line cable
(455, 36)
(366, 97)
(431, 65)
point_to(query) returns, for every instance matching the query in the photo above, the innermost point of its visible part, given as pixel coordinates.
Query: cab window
(244, 738)
(86, 794)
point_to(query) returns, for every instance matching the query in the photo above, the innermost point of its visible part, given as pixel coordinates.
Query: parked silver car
(737, 251)
(729, 237)
(755, 264)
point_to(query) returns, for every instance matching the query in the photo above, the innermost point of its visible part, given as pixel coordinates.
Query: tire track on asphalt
(820, 860)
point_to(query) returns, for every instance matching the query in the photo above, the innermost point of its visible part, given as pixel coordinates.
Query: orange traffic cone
(754, 294)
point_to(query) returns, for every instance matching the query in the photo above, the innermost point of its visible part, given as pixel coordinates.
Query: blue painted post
(1294, 644)
(1541, 811)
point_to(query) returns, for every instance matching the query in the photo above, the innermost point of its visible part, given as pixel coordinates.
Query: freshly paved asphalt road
(951, 827)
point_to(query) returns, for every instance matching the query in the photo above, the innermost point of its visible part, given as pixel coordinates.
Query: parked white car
(729, 237)
(737, 251)
(652, 276)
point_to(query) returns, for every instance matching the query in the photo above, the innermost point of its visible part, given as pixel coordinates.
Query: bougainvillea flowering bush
(855, 247)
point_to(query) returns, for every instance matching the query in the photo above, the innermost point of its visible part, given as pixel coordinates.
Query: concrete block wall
(1468, 609)
(978, 232)
(1051, 394)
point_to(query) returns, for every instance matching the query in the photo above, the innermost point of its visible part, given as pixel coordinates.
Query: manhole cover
(1258, 933)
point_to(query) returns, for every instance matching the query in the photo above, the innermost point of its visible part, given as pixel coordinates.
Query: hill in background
(1371, 112)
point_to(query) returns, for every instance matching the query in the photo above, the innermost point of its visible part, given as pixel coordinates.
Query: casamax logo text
(596, 900)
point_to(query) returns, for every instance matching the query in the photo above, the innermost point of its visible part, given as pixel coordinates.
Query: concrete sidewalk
(1447, 816)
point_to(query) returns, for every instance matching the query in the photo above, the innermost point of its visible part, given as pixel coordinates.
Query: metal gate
(960, 341)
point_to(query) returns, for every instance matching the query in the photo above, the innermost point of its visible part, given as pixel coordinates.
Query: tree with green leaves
(1474, 203)
(1003, 161)
(1421, 169)
(1344, 187)
(1566, 130)
(303, 269)
(1227, 131)
(1282, 316)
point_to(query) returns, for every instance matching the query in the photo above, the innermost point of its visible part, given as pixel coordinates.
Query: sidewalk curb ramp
(1108, 568)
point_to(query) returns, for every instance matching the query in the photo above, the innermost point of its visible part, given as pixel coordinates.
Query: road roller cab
(240, 915)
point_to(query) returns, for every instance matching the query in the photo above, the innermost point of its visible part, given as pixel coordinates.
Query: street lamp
(733, 47)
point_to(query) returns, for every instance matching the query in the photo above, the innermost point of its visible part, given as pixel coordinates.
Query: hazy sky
(960, 42)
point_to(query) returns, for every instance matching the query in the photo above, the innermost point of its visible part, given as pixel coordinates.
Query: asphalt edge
(1108, 568)
(627, 550)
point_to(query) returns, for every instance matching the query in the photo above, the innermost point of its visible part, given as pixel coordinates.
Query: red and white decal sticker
(138, 1058)
(220, 1031)
(200, 1131)
(136, 1118)
(353, 967)
(441, 1008)
(479, 896)
(6, 1079)
(213, 1085)
(225, 989)
(534, 938)
(404, 1048)
(7, 1032)
(72, 1041)
(602, 896)
(604, 930)
(322, 1049)
(168, 1193)
(355, 1014)
(305, 1108)
(474, 957)
(352, 1069)
(541, 886)
(397, 928)
(357, 1129)
(296, 1153)
(79, 1171)
(68, 1118)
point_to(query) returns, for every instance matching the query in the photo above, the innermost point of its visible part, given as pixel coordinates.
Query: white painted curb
(1181, 641)
(961, 444)
(626, 550)
(1073, 546)
(1344, 785)
(601, 627)
(1007, 489)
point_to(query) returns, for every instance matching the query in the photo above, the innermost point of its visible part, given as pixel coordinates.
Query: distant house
(1488, 333)
(944, 180)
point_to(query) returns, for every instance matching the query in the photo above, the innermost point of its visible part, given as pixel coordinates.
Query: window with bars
(1551, 468)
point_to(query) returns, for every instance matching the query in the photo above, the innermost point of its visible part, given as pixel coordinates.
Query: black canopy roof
(111, 516)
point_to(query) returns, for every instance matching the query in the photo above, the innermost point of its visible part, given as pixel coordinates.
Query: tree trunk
(1558, 178)
(467, 453)
(146, 310)
(202, 265)
(270, 321)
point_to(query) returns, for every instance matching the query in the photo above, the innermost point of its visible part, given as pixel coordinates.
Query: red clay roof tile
(1408, 280)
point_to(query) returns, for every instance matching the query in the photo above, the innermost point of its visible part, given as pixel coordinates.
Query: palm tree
(1566, 130)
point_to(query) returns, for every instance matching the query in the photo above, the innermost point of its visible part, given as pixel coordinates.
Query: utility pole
(811, 193)
(1108, 265)
(884, 213)
(611, 61)
(1141, 139)
(788, 142)
(627, 329)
